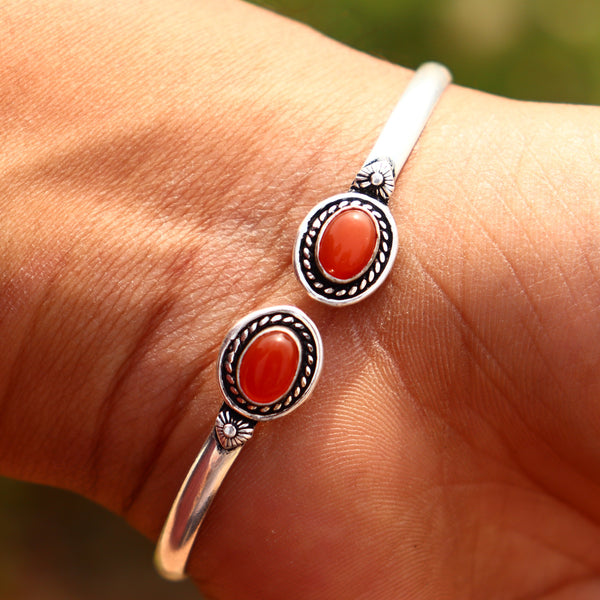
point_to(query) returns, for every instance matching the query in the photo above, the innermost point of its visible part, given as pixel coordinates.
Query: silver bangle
(249, 397)
(288, 348)
(347, 244)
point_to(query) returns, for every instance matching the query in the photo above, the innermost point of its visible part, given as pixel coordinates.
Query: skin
(156, 161)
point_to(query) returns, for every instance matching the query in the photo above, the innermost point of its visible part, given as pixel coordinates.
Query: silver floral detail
(376, 180)
(232, 432)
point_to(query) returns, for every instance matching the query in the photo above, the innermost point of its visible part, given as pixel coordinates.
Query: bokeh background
(55, 546)
(527, 49)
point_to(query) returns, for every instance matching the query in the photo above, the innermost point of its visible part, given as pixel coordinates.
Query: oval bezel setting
(321, 285)
(283, 318)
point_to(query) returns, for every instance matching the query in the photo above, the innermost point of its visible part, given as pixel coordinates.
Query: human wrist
(182, 253)
(119, 233)
(140, 241)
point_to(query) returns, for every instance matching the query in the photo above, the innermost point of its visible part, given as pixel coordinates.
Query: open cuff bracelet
(271, 360)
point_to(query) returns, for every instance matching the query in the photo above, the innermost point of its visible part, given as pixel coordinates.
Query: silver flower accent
(375, 179)
(232, 432)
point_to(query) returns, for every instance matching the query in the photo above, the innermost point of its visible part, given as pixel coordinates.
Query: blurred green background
(527, 49)
(55, 546)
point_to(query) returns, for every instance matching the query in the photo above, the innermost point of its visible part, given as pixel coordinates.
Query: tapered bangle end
(268, 364)
(170, 572)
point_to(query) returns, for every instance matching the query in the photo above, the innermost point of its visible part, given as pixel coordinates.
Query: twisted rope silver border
(240, 338)
(338, 293)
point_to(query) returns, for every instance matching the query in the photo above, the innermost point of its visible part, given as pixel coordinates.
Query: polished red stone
(347, 244)
(268, 366)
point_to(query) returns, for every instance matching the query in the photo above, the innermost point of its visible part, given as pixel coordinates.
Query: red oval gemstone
(347, 244)
(268, 366)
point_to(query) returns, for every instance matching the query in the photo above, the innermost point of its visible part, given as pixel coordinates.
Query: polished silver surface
(234, 426)
(190, 507)
(408, 119)
(371, 188)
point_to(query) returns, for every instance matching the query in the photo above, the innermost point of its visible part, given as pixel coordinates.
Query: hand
(156, 161)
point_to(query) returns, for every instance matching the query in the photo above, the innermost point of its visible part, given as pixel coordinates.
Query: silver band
(235, 424)
(369, 195)
(239, 415)
(409, 117)
(190, 507)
